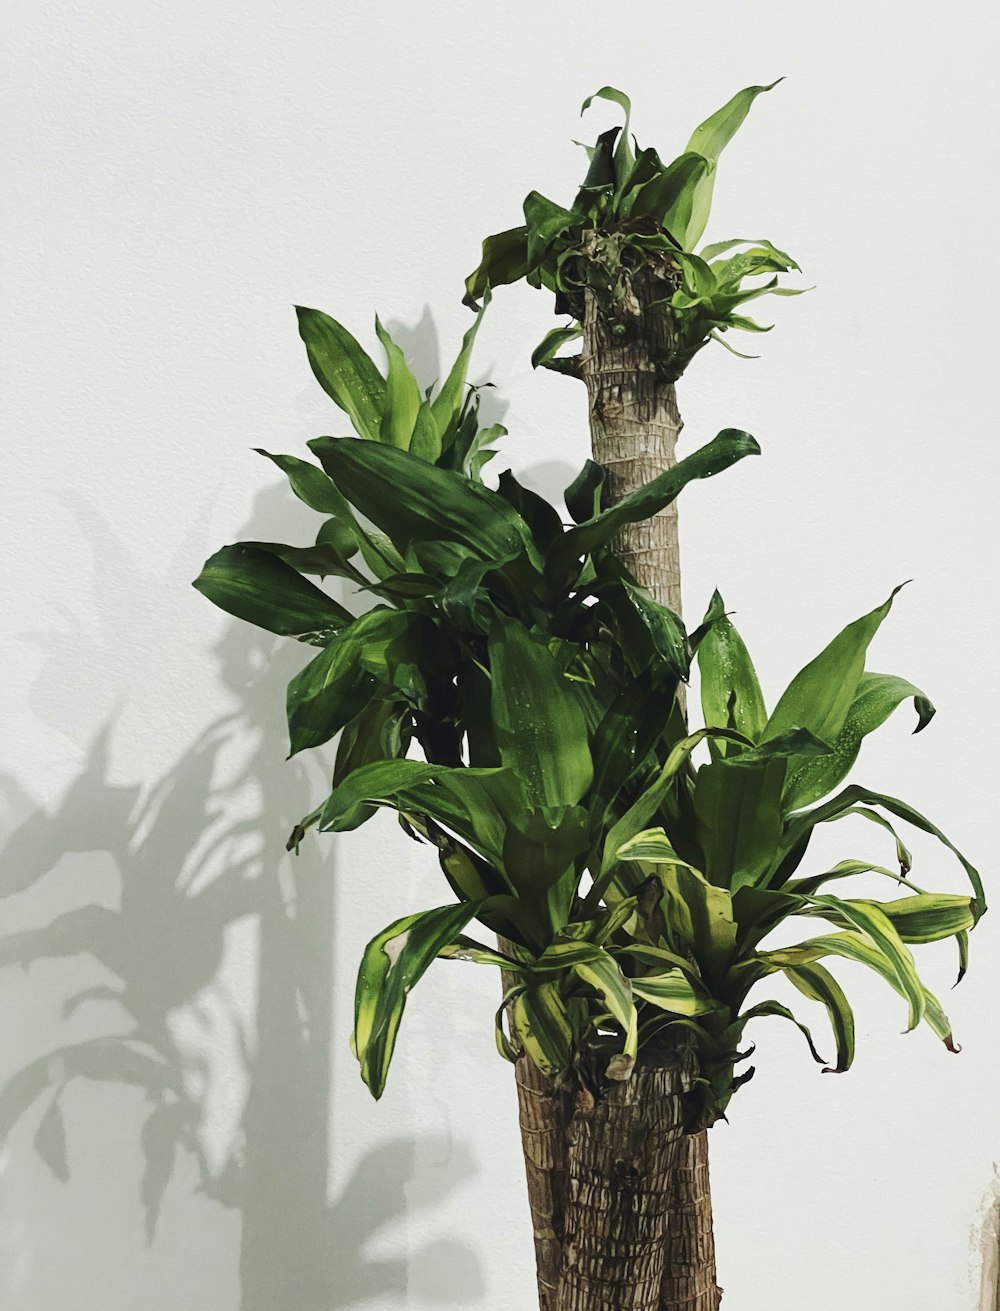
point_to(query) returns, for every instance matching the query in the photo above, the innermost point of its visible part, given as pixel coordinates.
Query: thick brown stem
(689, 1266)
(622, 1153)
(544, 1113)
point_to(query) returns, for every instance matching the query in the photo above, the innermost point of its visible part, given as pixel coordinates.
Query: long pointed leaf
(345, 372)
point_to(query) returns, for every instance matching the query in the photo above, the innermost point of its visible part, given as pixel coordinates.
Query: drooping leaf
(817, 983)
(927, 916)
(872, 921)
(254, 585)
(393, 962)
(345, 372)
(726, 449)
(623, 158)
(673, 991)
(858, 947)
(504, 260)
(600, 971)
(541, 1026)
(546, 356)
(848, 802)
(763, 1008)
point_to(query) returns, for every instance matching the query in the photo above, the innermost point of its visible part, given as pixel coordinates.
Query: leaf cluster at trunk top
(636, 218)
(501, 682)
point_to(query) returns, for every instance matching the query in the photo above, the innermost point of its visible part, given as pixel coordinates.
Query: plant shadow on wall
(198, 857)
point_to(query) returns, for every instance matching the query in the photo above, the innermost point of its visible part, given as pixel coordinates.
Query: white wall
(180, 174)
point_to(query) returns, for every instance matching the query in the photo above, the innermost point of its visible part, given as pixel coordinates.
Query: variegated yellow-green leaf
(817, 983)
(392, 964)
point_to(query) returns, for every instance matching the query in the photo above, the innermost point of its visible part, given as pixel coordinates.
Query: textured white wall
(180, 174)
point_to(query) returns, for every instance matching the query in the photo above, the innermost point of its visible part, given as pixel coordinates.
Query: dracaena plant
(507, 689)
(635, 215)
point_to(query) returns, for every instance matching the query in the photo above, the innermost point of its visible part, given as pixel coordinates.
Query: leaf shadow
(153, 884)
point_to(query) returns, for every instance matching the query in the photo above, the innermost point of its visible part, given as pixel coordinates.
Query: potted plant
(510, 679)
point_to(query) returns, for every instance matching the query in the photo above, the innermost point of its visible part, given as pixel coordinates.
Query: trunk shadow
(191, 960)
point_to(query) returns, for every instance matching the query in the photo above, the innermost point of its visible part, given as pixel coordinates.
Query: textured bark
(622, 1152)
(544, 1111)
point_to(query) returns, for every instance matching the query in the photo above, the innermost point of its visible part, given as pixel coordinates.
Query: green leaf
(870, 920)
(413, 501)
(446, 407)
(820, 695)
(876, 697)
(623, 158)
(254, 585)
(726, 449)
(545, 353)
(739, 820)
(652, 846)
(858, 947)
(763, 1008)
(667, 631)
(670, 197)
(504, 260)
(541, 1026)
(847, 802)
(541, 517)
(601, 973)
(583, 495)
(309, 484)
(638, 815)
(792, 743)
(673, 991)
(344, 371)
(393, 962)
(539, 725)
(927, 916)
(730, 692)
(340, 681)
(546, 222)
(699, 917)
(817, 983)
(402, 395)
(709, 139)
